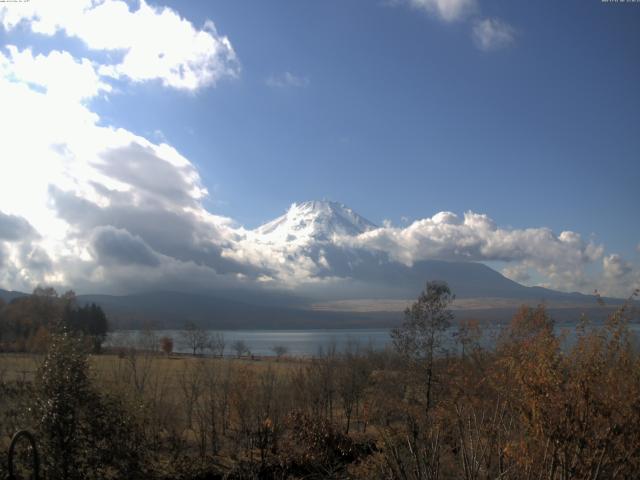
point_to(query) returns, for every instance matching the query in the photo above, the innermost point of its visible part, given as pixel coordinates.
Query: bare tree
(241, 348)
(279, 350)
(420, 336)
(196, 338)
(352, 378)
(217, 344)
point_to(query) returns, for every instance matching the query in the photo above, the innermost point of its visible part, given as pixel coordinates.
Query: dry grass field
(528, 408)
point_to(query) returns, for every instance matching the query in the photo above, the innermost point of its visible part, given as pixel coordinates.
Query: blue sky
(399, 110)
(403, 116)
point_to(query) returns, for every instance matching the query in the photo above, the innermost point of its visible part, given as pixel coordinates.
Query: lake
(303, 343)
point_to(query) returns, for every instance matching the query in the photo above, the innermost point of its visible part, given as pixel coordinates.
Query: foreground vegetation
(530, 408)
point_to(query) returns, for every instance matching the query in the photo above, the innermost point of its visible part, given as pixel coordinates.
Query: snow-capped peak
(314, 220)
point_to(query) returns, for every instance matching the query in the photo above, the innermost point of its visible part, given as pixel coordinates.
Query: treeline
(534, 406)
(26, 323)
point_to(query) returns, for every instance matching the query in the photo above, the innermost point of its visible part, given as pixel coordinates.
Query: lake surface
(300, 342)
(261, 342)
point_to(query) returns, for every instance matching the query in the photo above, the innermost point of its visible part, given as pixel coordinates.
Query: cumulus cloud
(287, 79)
(85, 203)
(14, 228)
(58, 73)
(518, 273)
(492, 34)
(35, 259)
(154, 43)
(615, 267)
(80, 198)
(392, 254)
(114, 245)
(448, 10)
(475, 237)
(620, 277)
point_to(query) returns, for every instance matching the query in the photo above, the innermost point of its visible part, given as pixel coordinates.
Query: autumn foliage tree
(27, 322)
(166, 345)
(578, 407)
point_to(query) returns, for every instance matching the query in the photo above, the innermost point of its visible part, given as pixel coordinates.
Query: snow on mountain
(312, 221)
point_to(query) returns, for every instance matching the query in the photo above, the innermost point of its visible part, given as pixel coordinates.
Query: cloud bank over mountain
(96, 207)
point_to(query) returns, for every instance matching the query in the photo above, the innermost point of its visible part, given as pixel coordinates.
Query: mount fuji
(316, 230)
(314, 221)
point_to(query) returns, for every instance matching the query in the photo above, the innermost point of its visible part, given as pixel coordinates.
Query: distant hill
(166, 310)
(8, 295)
(173, 309)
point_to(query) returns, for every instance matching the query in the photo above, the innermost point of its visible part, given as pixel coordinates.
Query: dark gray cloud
(152, 177)
(35, 259)
(116, 246)
(14, 228)
(180, 235)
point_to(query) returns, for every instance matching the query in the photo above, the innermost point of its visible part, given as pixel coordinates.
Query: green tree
(89, 320)
(63, 388)
(84, 434)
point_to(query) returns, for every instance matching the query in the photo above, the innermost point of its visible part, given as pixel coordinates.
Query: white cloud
(71, 178)
(488, 34)
(619, 277)
(492, 34)
(448, 10)
(287, 79)
(83, 203)
(518, 273)
(58, 73)
(155, 43)
(560, 260)
(615, 267)
(117, 212)
(476, 237)
(89, 204)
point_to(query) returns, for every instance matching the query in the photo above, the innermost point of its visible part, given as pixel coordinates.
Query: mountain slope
(473, 280)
